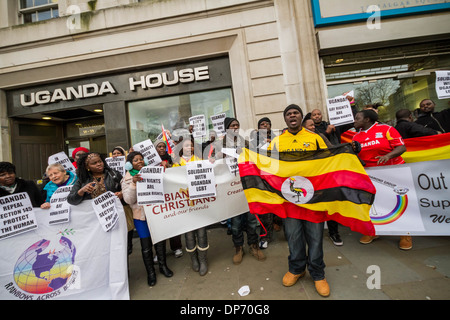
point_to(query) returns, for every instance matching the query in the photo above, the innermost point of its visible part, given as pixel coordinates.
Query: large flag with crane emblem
(321, 185)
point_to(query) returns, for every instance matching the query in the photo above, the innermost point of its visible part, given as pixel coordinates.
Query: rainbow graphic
(395, 214)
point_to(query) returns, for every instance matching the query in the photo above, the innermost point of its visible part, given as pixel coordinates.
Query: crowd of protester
(94, 177)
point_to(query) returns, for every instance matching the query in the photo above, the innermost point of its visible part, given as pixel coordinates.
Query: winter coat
(28, 187)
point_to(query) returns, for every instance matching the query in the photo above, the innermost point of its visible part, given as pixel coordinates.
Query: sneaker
(322, 287)
(178, 253)
(263, 244)
(336, 239)
(405, 243)
(256, 252)
(367, 239)
(290, 279)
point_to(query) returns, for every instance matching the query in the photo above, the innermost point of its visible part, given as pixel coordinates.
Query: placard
(339, 111)
(150, 190)
(443, 84)
(149, 152)
(105, 208)
(198, 124)
(200, 178)
(117, 163)
(59, 207)
(218, 125)
(16, 215)
(63, 159)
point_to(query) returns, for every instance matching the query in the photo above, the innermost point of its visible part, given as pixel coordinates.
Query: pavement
(377, 271)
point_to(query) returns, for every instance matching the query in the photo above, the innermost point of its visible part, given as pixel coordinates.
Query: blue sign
(387, 9)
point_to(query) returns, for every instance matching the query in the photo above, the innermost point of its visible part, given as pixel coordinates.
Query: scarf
(133, 172)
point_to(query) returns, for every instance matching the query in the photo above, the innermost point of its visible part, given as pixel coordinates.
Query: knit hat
(292, 106)
(264, 119)
(228, 121)
(74, 152)
(158, 142)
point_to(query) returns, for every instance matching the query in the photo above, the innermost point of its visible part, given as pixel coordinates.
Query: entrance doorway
(87, 133)
(33, 141)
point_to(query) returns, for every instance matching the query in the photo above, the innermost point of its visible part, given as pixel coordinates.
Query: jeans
(299, 234)
(247, 222)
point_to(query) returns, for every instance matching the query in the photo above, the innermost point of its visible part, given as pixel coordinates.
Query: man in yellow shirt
(301, 234)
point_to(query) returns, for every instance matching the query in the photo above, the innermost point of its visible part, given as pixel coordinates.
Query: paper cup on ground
(243, 291)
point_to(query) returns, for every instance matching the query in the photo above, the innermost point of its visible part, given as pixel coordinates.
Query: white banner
(72, 261)
(412, 198)
(179, 214)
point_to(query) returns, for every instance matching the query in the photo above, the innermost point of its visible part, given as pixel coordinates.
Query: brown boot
(237, 258)
(256, 252)
(322, 287)
(405, 243)
(367, 239)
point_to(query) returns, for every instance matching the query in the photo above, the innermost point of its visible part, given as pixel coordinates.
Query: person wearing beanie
(77, 153)
(304, 237)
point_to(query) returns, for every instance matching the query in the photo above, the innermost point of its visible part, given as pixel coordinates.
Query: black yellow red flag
(317, 186)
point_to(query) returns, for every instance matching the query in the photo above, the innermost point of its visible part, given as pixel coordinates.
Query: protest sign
(411, 198)
(200, 179)
(149, 152)
(180, 213)
(59, 207)
(71, 261)
(198, 124)
(339, 111)
(150, 190)
(105, 209)
(16, 215)
(443, 84)
(61, 158)
(117, 163)
(217, 122)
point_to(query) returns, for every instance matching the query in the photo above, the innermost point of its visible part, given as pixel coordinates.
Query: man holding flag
(296, 230)
(307, 184)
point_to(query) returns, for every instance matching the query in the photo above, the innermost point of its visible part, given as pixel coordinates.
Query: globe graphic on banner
(43, 269)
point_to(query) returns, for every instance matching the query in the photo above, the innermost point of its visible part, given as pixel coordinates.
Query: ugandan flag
(317, 186)
(427, 148)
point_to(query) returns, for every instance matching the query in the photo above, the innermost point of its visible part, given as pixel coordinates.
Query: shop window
(38, 10)
(147, 116)
(395, 78)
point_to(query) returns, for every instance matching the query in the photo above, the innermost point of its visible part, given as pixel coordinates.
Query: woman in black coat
(94, 179)
(10, 184)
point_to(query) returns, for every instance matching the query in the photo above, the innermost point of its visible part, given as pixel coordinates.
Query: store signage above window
(157, 80)
(127, 86)
(91, 90)
(328, 12)
(70, 93)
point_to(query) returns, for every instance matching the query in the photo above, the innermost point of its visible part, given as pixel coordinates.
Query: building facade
(110, 72)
